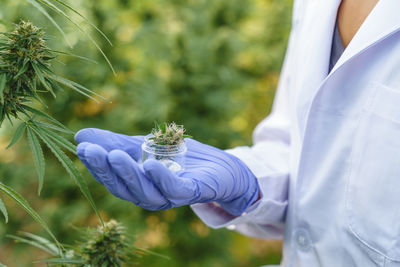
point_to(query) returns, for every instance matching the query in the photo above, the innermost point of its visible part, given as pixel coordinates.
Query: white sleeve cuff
(269, 209)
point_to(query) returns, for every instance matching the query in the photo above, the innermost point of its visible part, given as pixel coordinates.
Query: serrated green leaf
(42, 79)
(86, 19)
(44, 68)
(44, 241)
(59, 139)
(70, 85)
(17, 135)
(3, 80)
(38, 156)
(1, 114)
(3, 210)
(46, 14)
(53, 127)
(76, 86)
(35, 91)
(9, 118)
(31, 242)
(25, 205)
(45, 115)
(146, 251)
(73, 55)
(70, 167)
(70, 261)
(55, 85)
(22, 70)
(2, 265)
(62, 13)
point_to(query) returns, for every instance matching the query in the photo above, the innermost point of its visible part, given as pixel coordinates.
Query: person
(324, 170)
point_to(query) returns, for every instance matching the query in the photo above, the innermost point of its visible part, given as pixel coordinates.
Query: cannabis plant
(25, 76)
(168, 134)
(107, 245)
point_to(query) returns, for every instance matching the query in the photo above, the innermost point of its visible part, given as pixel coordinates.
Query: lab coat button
(303, 239)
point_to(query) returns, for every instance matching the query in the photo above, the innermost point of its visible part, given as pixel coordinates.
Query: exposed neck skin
(351, 15)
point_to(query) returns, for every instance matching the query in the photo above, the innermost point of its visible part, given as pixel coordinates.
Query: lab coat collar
(317, 27)
(320, 19)
(383, 21)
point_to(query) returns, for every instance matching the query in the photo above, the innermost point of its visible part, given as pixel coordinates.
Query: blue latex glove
(210, 173)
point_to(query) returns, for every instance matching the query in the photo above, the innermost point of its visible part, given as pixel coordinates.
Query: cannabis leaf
(37, 155)
(3, 210)
(53, 141)
(25, 205)
(56, 5)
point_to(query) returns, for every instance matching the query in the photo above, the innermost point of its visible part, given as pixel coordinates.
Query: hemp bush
(26, 75)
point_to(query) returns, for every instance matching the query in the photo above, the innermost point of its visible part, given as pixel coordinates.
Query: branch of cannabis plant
(107, 245)
(25, 73)
(53, 5)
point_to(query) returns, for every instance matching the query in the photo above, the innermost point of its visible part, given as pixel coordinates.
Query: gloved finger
(179, 191)
(96, 157)
(110, 141)
(80, 150)
(133, 176)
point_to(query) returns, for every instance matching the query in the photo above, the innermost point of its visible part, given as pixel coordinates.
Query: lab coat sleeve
(268, 159)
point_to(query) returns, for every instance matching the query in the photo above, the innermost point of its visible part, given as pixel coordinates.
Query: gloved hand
(210, 173)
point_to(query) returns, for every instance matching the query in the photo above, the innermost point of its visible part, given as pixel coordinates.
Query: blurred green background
(212, 65)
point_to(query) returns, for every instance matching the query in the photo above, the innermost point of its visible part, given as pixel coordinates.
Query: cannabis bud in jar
(166, 143)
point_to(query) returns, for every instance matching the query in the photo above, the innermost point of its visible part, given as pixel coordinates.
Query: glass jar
(171, 156)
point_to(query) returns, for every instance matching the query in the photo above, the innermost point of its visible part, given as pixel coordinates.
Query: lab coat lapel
(383, 21)
(314, 52)
(318, 29)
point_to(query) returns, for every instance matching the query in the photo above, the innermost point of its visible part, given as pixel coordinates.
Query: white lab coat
(328, 156)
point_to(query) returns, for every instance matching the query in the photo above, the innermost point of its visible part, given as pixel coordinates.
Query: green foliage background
(211, 65)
